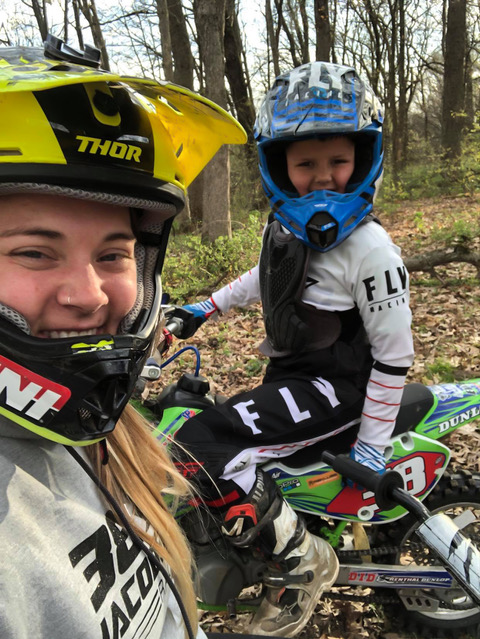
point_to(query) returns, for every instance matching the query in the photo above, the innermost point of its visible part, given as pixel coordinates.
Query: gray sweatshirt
(66, 569)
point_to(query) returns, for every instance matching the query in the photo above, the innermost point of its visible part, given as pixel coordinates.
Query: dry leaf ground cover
(446, 309)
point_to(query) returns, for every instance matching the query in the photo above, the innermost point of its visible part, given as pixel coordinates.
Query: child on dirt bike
(335, 299)
(90, 181)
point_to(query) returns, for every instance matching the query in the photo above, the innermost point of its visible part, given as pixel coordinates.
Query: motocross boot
(300, 565)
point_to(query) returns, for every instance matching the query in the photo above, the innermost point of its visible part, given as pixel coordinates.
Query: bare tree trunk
(469, 101)
(40, 13)
(401, 134)
(272, 39)
(322, 31)
(300, 30)
(282, 23)
(65, 21)
(166, 41)
(89, 10)
(183, 75)
(77, 18)
(210, 23)
(453, 78)
(235, 73)
(180, 42)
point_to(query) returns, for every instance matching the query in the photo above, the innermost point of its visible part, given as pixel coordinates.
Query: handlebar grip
(382, 485)
(180, 322)
(175, 326)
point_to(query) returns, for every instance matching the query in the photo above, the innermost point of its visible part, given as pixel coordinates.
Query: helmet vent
(105, 103)
(87, 421)
(322, 229)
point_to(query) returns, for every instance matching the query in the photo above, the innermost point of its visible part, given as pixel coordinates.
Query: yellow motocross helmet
(72, 129)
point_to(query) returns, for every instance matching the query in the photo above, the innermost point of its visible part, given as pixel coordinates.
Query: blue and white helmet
(320, 99)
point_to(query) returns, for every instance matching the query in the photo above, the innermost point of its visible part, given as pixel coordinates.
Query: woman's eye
(115, 257)
(112, 257)
(30, 253)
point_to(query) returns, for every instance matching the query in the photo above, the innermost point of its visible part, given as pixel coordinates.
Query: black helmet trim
(70, 182)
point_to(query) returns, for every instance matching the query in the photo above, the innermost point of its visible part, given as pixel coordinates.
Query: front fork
(411, 581)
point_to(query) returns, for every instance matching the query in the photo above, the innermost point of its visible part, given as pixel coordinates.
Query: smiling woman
(89, 542)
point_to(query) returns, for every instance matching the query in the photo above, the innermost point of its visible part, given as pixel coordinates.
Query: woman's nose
(83, 290)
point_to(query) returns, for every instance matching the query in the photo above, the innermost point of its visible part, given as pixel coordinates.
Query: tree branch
(427, 261)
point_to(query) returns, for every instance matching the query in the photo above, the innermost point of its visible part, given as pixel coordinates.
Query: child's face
(319, 165)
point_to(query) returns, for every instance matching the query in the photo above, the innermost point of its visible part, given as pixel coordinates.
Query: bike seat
(417, 400)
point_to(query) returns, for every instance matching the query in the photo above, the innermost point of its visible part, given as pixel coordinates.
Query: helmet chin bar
(70, 390)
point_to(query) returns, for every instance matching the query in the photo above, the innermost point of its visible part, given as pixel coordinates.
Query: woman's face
(66, 265)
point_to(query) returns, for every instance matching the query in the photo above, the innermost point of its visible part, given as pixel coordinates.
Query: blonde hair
(140, 473)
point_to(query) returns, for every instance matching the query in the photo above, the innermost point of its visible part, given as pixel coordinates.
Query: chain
(370, 599)
(377, 551)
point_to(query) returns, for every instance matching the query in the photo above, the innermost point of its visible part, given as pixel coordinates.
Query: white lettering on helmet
(29, 393)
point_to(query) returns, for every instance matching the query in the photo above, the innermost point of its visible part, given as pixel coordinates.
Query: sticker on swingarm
(395, 578)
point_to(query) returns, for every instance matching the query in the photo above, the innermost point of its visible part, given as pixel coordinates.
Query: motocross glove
(368, 455)
(201, 311)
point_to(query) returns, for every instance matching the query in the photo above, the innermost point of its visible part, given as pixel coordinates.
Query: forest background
(421, 58)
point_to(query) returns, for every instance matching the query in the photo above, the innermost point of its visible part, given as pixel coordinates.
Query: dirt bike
(407, 535)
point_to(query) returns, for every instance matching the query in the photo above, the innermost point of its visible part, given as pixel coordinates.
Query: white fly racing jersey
(365, 271)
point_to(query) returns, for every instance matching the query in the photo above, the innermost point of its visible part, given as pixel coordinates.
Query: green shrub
(441, 371)
(194, 268)
(431, 175)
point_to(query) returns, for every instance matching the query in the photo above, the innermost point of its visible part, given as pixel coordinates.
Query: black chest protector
(291, 325)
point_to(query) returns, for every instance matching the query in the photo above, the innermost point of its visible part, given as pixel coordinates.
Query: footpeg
(284, 579)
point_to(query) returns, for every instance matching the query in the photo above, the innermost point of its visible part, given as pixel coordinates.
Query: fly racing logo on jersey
(386, 290)
(125, 589)
(117, 150)
(26, 396)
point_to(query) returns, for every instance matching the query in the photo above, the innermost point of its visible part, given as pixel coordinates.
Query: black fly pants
(287, 413)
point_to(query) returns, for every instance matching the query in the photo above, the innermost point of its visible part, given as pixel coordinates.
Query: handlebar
(388, 488)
